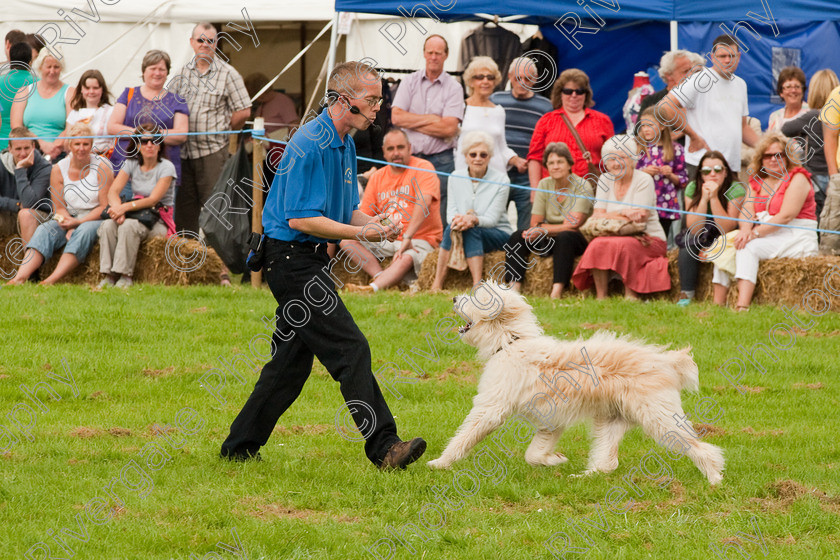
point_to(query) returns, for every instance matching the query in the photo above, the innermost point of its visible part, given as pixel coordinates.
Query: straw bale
(153, 266)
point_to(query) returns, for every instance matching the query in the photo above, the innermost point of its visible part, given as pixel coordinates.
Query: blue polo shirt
(316, 177)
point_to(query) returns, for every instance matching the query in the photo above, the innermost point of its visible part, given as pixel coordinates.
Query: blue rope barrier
(130, 135)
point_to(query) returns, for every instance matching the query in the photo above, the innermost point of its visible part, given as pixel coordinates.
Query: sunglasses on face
(481, 155)
(570, 91)
(480, 77)
(772, 155)
(145, 141)
(706, 170)
(204, 41)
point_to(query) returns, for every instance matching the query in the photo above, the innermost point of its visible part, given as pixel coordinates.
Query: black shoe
(241, 457)
(403, 453)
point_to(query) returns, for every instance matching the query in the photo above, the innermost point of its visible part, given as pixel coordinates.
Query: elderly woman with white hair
(43, 107)
(481, 77)
(625, 193)
(475, 207)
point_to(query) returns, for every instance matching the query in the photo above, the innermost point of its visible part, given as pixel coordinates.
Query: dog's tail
(686, 369)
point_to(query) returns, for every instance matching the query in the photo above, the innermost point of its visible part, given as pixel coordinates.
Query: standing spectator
(13, 37)
(674, 66)
(791, 88)
(24, 182)
(523, 108)
(315, 201)
(36, 43)
(639, 261)
(830, 215)
(43, 107)
(663, 160)
(715, 103)
(429, 105)
(278, 109)
(91, 105)
(807, 128)
(558, 214)
(219, 101)
(572, 100)
(407, 196)
(16, 76)
(476, 209)
(150, 102)
(79, 189)
(481, 77)
(151, 179)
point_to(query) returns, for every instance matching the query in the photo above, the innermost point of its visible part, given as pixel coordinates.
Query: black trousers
(326, 331)
(568, 245)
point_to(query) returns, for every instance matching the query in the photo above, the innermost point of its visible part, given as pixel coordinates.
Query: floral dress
(666, 190)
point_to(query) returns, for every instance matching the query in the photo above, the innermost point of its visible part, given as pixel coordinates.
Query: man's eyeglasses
(204, 41)
(706, 170)
(374, 101)
(570, 91)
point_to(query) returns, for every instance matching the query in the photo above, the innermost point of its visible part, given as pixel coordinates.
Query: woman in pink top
(781, 195)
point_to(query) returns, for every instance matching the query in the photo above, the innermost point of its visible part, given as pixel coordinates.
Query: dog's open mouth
(465, 328)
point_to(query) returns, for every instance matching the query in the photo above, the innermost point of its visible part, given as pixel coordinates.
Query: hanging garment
(547, 72)
(496, 42)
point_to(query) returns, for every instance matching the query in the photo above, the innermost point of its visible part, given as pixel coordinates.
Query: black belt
(307, 246)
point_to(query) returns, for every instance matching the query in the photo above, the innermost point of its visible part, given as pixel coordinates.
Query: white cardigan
(489, 201)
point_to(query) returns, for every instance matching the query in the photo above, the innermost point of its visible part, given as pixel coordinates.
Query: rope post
(257, 194)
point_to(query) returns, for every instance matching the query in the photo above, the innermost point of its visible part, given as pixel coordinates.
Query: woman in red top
(572, 98)
(781, 194)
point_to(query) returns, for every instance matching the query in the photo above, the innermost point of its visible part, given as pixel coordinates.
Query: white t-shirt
(492, 121)
(715, 108)
(97, 119)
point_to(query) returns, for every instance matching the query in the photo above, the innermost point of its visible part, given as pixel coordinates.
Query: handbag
(146, 216)
(593, 169)
(603, 227)
(703, 237)
(457, 257)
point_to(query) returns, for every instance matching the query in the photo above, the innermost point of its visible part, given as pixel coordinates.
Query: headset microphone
(356, 111)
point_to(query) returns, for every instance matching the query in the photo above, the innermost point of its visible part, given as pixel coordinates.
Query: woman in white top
(480, 78)
(79, 187)
(91, 105)
(475, 207)
(639, 260)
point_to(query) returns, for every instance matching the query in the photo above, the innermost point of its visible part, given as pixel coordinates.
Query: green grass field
(128, 468)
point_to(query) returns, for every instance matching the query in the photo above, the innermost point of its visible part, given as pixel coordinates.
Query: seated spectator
(43, 107)
(278, 109)
(79, 189)
(639, 260)
(475, 208)
(572, 99)
(523, 108)
(557, 214)
(152, 180)
(408, 196)
(664, 160)
(14, 77)
(801, 127)
(714, 191)
(150, 102)
(791, 88)
(91, 105)
(24, 182)
(781, 193)
(481, 78)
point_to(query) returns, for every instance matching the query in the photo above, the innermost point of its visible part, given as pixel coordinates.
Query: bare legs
(66, 264)
(745, 294)
(442, 269)
(32, 260)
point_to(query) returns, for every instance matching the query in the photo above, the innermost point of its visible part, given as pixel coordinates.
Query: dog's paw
(715, 478)
(551, 460)
(587, 472)
(438, 463)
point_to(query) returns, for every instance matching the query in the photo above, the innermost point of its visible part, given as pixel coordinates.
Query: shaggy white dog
(617, 381)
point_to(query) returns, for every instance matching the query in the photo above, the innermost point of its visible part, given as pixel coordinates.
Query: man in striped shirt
(523, 108)
(218, 100)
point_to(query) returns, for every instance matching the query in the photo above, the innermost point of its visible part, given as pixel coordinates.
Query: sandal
(225, 279)
(742, 308)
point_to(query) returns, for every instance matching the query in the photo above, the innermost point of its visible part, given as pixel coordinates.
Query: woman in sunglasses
(781, 195)
(481, 78)
(715, 192)
(152, 179)
(476, 206)
(572, 99)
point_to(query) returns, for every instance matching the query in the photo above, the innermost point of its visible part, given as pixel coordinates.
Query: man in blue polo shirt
(313, 200)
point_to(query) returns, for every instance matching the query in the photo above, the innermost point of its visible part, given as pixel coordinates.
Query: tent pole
(333, 47)
(673, 35)
(257, 193)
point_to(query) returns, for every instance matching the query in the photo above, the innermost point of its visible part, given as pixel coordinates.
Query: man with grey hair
(523, 108)
(218, 100)
(313, 200)
(673, 68)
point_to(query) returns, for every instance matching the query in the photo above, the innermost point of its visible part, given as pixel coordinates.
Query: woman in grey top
(151, 179)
